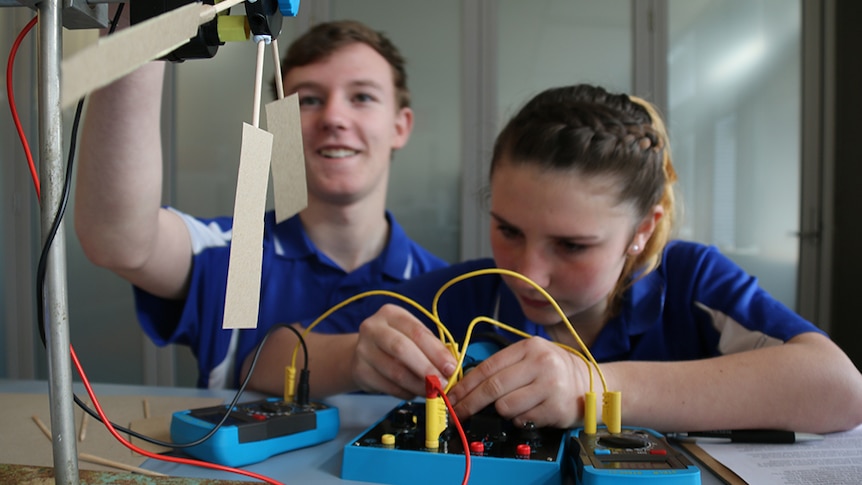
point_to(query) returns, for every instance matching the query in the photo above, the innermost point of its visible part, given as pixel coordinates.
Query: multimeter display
(633, 455)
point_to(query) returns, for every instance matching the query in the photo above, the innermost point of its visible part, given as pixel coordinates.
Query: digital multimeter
(635, 455)
(254, 431)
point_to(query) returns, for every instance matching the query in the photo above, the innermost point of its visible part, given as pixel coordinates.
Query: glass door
(734, 113)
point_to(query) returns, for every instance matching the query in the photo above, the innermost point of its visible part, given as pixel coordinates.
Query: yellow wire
(541, 290)
(444, 333)
(442, 328)
(477, 320)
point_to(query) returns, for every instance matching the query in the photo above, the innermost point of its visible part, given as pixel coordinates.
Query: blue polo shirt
(696, 304)
(298, 283)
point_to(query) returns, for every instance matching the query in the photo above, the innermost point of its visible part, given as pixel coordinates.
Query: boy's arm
(391, 353)
(118, 218)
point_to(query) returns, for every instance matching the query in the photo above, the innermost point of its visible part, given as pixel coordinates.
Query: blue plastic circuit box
(254, 431)
(407, 461)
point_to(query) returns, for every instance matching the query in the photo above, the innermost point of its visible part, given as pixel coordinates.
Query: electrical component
(255, 430)
(435, 412)
(303, 391)
(500, 452)
(612, 410)
(262, 18)
(360, 464)
(289, 382)
(590, 417)
(631, 455)
(477, 448)
(203, 46)
(232, 28)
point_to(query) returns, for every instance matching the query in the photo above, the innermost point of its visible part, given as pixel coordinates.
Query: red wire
(77, 363)
(146, 453)
(11, 97)
(461, 432)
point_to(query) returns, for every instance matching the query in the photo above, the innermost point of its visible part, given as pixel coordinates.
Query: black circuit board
(499, 437)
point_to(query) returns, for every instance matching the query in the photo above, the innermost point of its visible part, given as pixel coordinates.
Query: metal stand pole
(52, 173)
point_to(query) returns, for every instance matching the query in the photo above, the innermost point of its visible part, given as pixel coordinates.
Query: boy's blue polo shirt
(298, 283)
(696, 304)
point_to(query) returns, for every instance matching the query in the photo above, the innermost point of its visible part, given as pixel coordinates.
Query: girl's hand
(396, 351)
(531, 380)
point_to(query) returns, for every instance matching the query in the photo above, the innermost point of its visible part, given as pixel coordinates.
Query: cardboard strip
(246, 256)
(288, 159)
(119, 54)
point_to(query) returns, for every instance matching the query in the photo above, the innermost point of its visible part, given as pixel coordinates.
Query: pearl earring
(635, 248)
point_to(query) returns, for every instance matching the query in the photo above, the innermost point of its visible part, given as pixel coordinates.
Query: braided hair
(586, 129)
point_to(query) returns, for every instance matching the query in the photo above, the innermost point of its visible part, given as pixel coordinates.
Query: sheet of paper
(837, 460)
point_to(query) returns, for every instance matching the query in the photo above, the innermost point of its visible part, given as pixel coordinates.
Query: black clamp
(264, 17)
(202, 46)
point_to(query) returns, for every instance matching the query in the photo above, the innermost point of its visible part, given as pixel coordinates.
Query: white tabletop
(320, 464)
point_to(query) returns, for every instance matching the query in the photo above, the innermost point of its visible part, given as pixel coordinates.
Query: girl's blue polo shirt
(696, 304)
(298, 283)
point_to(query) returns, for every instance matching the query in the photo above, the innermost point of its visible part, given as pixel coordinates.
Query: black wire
(228, 407)
(116, 19)
(301, 341)
(40, 291)
(55, 225)
(64, 200)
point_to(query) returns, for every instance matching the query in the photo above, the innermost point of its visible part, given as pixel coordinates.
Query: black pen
(745, 436)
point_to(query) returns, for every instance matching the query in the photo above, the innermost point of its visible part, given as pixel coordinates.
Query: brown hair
(588, 129)
(324, 39)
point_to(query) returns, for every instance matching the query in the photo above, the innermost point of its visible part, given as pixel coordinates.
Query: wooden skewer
(97, 459)
(84, 421)
(226, 4)
(258, 80)
(41, 425)
(146, 409)
(279, 85)
(116, 464)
